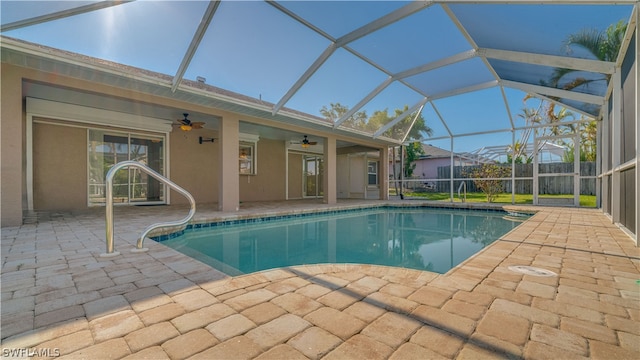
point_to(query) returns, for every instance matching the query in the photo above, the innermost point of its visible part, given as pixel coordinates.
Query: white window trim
(251, 141)
(377, 162)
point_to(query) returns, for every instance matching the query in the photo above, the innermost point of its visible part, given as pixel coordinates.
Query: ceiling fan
(306, 143)
(187, 125)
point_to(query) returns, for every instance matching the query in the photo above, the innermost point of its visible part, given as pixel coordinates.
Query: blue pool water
(423, 238)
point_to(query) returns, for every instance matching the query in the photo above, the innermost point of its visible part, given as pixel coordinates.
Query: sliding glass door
(107, 148)
(313, 176)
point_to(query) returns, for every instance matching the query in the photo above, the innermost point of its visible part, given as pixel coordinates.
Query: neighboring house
(434, 157)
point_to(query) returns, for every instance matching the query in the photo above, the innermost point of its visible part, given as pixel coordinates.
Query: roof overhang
(50, 60)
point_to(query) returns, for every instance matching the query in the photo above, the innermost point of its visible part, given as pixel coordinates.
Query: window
(372, 172)
(247, 158)
(107, 148)
(248, 162)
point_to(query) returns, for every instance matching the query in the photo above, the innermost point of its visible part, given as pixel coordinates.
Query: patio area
(61, 299)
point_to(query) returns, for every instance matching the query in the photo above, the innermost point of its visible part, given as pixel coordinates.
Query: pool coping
(230, 220)
(167, 233)
(479, 309)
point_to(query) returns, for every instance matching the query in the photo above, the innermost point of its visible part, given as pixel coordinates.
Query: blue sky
(254, 49)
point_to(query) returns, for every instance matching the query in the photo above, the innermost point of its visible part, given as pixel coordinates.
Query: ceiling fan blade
(305, 141)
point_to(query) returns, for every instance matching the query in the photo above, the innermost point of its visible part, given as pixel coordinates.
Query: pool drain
(530, 270)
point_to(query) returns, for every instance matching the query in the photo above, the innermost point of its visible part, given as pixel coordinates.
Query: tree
(402, 130)
(518, 150)
(412, 153)
(360, 121)
(588, 133)
(603, 45)
(488, 179)
(336, 110)
(589, 139)
(546, 113)
(419, 130)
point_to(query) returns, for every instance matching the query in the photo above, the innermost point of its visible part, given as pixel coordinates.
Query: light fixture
(243, 155)
(187, 125)
(202, 140)
(306, 143)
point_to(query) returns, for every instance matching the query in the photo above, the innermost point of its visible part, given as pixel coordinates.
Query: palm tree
(588, 135)
(518, 151)
(546, 113)
(603, 45)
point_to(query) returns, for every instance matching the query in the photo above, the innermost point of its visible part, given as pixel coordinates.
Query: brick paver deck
(60, 298)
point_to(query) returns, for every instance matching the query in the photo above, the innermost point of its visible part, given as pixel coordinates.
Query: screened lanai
(458, 75)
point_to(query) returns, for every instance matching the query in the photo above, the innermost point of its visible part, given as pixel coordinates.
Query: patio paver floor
(60, 297)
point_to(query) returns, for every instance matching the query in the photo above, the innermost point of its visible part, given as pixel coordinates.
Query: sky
(254, 49)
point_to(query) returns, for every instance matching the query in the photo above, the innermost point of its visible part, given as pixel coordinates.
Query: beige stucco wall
(59, 167)
(342, 179)
(194, 166)
(357, 185)
(295, 176)
(269, 182)
(12, 193)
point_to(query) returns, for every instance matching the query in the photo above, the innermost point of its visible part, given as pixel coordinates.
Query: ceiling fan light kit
(306, 143)
(188, 125)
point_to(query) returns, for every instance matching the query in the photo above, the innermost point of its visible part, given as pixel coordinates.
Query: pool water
(425, 239)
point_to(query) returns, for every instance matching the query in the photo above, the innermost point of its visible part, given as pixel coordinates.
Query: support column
(637, 116)
(576, 169)
(330, 171)
(513, 166)
(12, 189)
(229, 187)
(601, 164)
(451, 169)
(383, 171)
(616, 140)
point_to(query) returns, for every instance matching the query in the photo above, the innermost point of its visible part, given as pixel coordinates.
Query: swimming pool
(417, 238)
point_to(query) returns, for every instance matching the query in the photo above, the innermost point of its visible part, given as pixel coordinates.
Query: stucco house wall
(53, 160)
(428, 168)
(59, 167)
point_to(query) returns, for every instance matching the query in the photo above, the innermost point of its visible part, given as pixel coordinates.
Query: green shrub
(492, 184)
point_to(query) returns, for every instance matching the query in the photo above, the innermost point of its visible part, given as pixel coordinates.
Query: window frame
(247, 158)
(129, 135)
(376, 173)
(248, 141)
